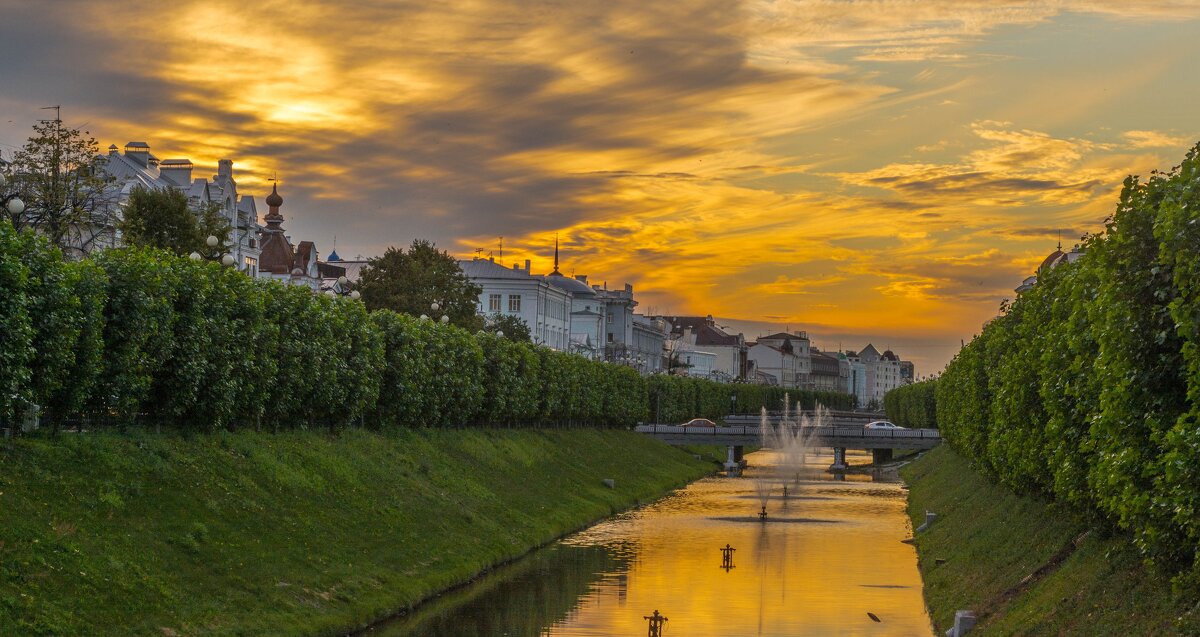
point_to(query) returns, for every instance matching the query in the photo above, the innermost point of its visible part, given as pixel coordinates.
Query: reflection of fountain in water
(790, 439)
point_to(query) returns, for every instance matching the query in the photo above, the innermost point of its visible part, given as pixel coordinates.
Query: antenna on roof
(501, 248)
(57, 113)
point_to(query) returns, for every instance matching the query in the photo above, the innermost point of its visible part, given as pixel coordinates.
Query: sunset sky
(871, 171)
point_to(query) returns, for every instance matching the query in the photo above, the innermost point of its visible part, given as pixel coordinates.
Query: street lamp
(343, 289)
(12, 203)
(213, 242)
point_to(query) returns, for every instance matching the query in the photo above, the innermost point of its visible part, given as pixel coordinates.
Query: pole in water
(785, 492)
(656, 624)
(727, 557)
(762, 515)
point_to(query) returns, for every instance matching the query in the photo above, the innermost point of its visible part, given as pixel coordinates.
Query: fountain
(790, 439)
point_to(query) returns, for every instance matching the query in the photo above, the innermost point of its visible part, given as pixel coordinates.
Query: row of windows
(514, 302)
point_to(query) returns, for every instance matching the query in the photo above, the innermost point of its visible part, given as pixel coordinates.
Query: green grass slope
(290, 534)
(1025, 566)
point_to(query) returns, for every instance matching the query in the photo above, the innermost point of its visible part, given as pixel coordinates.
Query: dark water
(828, 554)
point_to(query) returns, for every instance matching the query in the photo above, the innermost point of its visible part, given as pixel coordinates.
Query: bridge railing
(834, 431)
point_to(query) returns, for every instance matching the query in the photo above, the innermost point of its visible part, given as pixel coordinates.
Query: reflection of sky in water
(815, 578)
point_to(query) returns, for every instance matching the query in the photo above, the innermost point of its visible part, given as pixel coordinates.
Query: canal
(827, 557)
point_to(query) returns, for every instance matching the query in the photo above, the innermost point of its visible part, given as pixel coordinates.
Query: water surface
(827, 555)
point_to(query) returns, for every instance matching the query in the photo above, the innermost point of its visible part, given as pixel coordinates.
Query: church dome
(273, 199)
(1053, 259)
(577, 288)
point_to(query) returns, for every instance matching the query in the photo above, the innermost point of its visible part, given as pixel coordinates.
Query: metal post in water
(727, 557)
(762, 515)
(656, 624)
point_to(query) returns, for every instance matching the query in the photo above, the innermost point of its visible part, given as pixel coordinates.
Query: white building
(137, 166)
(516, 292)
(881, 374)
(784, 357)
(647, 343)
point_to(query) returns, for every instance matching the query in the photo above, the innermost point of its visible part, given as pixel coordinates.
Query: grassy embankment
(290, 534)
(992, 540)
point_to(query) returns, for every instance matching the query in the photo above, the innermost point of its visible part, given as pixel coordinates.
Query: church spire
(556, 272)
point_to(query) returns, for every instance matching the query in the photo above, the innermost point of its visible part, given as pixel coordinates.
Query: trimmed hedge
(139, 336)
(912, 406)
(1087, 387)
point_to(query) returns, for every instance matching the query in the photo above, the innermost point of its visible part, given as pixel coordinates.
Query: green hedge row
(1087, 387)
(912, 406)
(139, 336)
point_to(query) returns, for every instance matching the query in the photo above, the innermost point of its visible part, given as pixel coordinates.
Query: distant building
(702, 332)
(827, 371)
(515, 291)
(647, 344)
(881, 374)
(279, 259)
(1053, 260)
(588, 322)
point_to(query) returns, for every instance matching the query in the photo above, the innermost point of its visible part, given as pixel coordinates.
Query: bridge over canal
(839, 437)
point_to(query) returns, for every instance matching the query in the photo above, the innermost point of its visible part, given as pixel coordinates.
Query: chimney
(179, 171)
(225, 168)
(527, 265)
(582, 278)
(138, 152)
(517, 267)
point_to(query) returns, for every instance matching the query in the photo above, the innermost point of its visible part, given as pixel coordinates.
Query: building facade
(545, 308)
(702, 332)
(137, 166)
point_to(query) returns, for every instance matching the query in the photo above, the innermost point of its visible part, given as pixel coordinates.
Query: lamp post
(12, 203)
(215, 250)
(434, 307)
(343, 288)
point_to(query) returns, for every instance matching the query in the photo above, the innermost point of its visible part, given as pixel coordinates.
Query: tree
(58, 176)
(410, 282)
(513, 327)
(161, 218)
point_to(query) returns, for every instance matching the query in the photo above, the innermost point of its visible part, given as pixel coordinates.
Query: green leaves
(1087, 387)
(912, 406)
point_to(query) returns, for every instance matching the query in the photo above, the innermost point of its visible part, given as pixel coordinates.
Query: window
(251, 266)
(493, 302)
(514, 302)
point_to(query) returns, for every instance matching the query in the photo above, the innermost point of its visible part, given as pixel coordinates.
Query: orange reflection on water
(826, 556)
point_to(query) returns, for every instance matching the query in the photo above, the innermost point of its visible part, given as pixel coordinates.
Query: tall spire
(556, 256)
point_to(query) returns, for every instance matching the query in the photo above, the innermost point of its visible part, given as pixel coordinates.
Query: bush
(912, 405)
(15, 326)
(138, 335)
(1087, 387)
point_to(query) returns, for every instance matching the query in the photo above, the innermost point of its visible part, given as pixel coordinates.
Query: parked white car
(881, 424)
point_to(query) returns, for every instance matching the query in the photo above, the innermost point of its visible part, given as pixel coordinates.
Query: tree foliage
(913, 406)
(512, 326)
(58, 176)
(139, 336)
(1087, 387)
(410, 282)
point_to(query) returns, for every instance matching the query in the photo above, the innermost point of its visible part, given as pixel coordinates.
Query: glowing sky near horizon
(873, 171)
